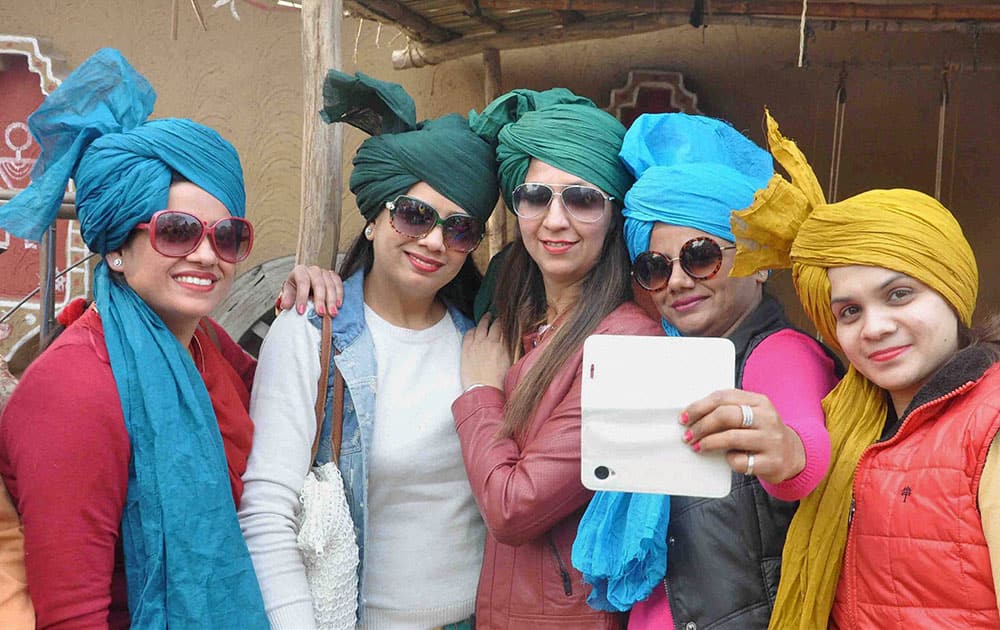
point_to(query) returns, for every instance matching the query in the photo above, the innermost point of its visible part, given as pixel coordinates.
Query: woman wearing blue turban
(425, 190)
(564, 278)
(124, 442)
(680, 561)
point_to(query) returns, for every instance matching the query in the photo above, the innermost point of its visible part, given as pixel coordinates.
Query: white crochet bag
(326, 530)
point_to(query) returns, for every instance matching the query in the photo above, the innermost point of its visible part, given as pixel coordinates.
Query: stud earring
(369, 231)
(117, 262)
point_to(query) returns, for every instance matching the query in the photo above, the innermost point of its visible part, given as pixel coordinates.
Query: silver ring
(749, 472)
(747, 416)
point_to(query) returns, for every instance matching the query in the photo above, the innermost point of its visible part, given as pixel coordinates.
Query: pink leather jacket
(530, 494)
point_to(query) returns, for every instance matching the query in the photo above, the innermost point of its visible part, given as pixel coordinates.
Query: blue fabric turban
(186, 562)
(690, 171)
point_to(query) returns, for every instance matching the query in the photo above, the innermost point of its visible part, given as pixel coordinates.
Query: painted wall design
(26, 77)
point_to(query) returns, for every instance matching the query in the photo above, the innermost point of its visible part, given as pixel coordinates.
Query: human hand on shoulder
(748, 428)
(325, 286)
(485, 358)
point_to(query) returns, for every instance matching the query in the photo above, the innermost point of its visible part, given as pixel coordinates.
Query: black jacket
(724, 555)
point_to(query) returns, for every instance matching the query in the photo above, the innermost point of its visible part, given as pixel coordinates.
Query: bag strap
(336, 435)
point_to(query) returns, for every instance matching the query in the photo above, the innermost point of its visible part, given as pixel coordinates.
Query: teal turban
(442, 152)
(559, 128)
(185, 559)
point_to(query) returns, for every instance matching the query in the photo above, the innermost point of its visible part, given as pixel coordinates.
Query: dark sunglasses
(700, 258)
(583, 203)
(177, 234)
(416, 219)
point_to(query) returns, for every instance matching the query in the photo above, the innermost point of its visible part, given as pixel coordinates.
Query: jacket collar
(966, 366)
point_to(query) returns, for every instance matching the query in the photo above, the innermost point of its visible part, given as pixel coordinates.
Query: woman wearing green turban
(564, 278)
(425, 190)
(905, 530)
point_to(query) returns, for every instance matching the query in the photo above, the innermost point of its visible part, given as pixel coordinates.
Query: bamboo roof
(439, 30)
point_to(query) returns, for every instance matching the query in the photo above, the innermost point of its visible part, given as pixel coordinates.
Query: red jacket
(530, 494)
(916, 554)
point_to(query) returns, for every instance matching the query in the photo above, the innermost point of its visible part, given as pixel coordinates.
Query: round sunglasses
(700, 258)
(176, 234)
(584, 203)
(416, 219)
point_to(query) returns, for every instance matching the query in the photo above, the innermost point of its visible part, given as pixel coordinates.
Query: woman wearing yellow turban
(905, 529)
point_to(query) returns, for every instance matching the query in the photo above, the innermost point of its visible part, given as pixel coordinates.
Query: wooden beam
(417, 55)
(496, 227)
(413, 24)
(319, 215)
(936, 11)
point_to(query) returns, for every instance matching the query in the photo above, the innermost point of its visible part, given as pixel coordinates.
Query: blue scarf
(691, 171)
(185, 559)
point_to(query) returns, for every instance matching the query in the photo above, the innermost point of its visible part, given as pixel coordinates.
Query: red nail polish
(684, 417)
(696, 447)
(320, 309)
(277, 302)
(687, 436)
(301, 309)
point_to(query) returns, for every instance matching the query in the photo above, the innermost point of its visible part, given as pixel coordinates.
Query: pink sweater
(795, 374)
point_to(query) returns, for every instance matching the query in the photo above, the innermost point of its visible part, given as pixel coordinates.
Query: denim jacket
(356, 362)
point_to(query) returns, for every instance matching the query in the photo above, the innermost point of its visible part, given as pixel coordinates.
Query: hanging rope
(952, 91)
(802, 34)
(942, 115)
(839, 113)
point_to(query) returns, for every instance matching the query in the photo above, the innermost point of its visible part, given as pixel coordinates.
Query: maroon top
(64, 454)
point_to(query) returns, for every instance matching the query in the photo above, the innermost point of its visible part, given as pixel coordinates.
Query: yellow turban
(791, 225)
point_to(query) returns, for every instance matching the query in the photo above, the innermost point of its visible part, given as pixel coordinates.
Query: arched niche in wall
(652, 92)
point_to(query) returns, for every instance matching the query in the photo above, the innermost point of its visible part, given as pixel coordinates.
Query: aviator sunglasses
(416, 219)
(700, 258)
(176, 234)
(583, 203)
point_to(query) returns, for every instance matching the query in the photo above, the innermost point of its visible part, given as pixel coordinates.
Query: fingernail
(688, 435)
(684, 418)
(277, 302)
(301, 309)
(696, 447)
(320, 309)
(340, 302)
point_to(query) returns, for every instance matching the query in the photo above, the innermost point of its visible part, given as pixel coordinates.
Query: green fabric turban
(559, 128)
(442, 152)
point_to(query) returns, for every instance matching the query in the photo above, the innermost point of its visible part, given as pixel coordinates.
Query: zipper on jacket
(854, 489)
(563, 573)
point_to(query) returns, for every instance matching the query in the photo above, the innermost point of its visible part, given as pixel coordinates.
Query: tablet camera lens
(602, 472)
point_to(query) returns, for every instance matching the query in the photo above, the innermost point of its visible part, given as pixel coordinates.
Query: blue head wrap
(185, 559)
(690, 171)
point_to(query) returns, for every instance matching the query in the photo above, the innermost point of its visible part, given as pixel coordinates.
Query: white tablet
(634, 389)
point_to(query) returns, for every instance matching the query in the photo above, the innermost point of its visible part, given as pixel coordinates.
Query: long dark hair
(521, 307)
(986, 335)
(460, 292)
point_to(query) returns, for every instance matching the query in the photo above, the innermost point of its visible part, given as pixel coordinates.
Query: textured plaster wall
(244, 79)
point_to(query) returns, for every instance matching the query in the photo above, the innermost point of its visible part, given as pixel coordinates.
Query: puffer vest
(725, 554)
(916, 554)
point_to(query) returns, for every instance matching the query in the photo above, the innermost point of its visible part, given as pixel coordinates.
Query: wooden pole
(322, 144)
(786, 8)
(417, 55)
(496, 227)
